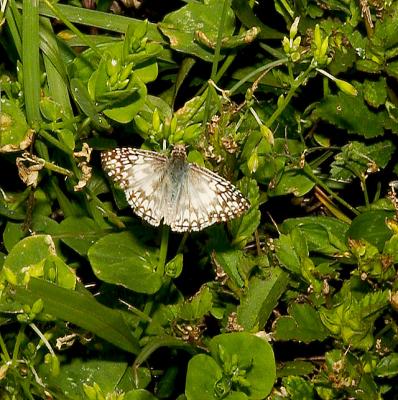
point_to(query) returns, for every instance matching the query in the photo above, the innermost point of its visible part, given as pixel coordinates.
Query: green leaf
(392, 69)
(119, 258)
(298, 388)
(173, 268)
(287, 255)
(67, 137)
(79, 233)
(80, 309)
(11, 205)
(296, 367)
(371, 226)
(180, 27)
(371, 262)
(35, 256)
(202, 376)
(254, 359)
(323, 234)
(386, 31)
(125, 110)
(234, 263)
(303, 324)
(139, 394)
(243, 228)
(50, 109)
(261, 298)
(387, 366)
(15, 132)
(358, 159)
(73, 375)
(391, 249)
(241, 366)
(12, 234)
(343, 61)
(292, 181)
(351, 113)
(87, 105)
(352, 317)
(375, 93)
(198, 306)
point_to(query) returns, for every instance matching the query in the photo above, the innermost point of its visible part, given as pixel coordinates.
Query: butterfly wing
(140, 173)
(204, 199)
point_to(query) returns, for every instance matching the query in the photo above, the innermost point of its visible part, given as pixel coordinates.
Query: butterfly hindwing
(206, 198)
(140, 173)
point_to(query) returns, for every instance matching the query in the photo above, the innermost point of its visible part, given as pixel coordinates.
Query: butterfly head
(179, 152)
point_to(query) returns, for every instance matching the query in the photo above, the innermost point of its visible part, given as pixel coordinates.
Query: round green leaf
(36, 256)
(254, 357)
(28, 253)
(202, 376)
(120, 259)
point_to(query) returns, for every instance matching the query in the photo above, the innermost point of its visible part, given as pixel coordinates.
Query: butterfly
(183, 195)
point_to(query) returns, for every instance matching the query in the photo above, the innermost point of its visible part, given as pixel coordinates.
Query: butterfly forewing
(140, 173)
(185, 196)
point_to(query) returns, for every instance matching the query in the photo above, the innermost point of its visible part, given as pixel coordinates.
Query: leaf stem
(256, 72)
(45, 135)
(4, 350)
(18, 342)
(308, 171)
(43, 338)
(365, 190)
(163, 249)
(182, 243)
(84, 38)
(286, 100)
(216, 59)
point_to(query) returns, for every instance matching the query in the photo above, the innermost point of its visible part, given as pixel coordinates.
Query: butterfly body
(185, 196)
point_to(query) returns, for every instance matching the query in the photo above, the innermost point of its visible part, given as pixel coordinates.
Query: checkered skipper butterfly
(185, 196)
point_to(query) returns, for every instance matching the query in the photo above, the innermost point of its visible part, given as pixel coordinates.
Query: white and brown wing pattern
(206, 198)
(140, 173)
(185, 196)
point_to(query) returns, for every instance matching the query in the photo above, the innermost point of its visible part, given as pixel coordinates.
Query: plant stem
(215, 59)
(43, 338)
(45, 135)
(18, 342)
(283, 104)
(4, 350)
(163, 249)
(257, 72)
(85, 38)
(308, 171)
(182, 243)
